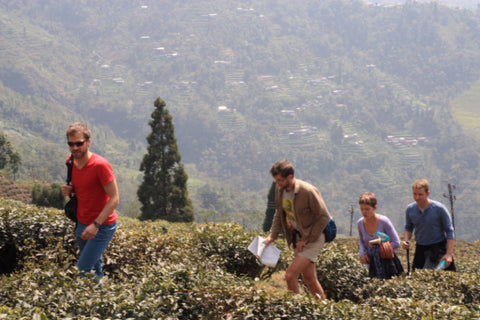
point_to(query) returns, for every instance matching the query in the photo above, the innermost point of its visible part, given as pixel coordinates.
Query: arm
(392, 233)
(277, 218)
(450, 233)
(362, 248)
(407, 235)
(322, 216)
(448, 226)
(67, 190)
(448, 257)
(112, 191)
(275, 229)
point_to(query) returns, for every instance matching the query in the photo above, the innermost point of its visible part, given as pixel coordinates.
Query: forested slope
(357, 96)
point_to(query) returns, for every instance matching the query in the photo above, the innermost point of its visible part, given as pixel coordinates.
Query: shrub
(227, 244)
(37, 232)
(340, 272)
(160, 270)
(48, 196)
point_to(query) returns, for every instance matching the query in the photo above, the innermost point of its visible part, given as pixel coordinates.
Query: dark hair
(368, 198)
(76, 127)
(283, 168)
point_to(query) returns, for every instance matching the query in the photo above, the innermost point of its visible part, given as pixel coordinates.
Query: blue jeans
(91, 251)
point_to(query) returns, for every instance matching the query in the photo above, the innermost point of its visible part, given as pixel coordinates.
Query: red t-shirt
(88, 184)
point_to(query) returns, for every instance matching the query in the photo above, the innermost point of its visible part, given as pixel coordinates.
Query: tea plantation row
(158, 270)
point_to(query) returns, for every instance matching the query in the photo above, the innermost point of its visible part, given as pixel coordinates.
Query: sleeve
(361, 235)
(105, 173)
(277, 222)
(389, 229)
(408, 222)
(320, 210)
(447, 223)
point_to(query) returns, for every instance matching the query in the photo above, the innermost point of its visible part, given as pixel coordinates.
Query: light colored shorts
(312, 250)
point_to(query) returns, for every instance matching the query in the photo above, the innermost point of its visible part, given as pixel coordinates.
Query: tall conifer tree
(163, 192)
(270, 212)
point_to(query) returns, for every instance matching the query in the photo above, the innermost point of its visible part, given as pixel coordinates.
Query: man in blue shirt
(433, 228)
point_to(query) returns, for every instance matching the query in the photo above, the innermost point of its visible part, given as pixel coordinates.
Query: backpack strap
(69, 164)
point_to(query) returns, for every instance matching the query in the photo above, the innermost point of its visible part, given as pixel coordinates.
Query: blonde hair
(421, 184)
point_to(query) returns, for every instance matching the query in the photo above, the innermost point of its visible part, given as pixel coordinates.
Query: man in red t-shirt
(96, 189)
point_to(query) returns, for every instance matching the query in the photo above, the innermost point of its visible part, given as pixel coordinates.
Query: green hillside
(358, 97)
(466, 109)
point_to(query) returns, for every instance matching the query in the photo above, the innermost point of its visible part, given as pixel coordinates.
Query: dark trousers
(428, 257)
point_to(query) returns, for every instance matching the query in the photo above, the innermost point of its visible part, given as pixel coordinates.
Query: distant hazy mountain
(466, 4)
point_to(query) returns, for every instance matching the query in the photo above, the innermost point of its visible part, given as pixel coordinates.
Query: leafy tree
(48, 196)
(209, 196)
(163, 192)
(9, 158)
(270, 212)
(336, 133)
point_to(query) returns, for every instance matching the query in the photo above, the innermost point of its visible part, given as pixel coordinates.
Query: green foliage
(270, 211)
(340, 66)
(9, 158)
(227, 245)
(42, 238)
(48, 196)
(340, 272)
(162, 270)
(163, 192)
(225, 202)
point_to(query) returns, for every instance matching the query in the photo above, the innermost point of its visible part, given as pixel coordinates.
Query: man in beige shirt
(302, 215)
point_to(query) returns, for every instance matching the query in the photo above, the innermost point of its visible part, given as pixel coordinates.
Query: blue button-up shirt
(434, 225)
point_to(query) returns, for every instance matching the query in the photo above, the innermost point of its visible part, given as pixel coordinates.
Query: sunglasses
(77, 144)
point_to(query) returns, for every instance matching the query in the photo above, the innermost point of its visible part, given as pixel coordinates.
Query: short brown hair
(283, 168)
(368, 198)
(76, 127)
(421, 184)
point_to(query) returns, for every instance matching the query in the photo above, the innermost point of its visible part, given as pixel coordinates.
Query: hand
(66, 190)
(364, 259)
(268, 240)
(406, 245)
(300, 245)
(90, 232)
(448, 259)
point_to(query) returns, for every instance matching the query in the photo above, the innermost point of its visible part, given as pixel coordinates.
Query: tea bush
(340, 272)
(35, 230)
(160, 270)
(427, 285)
(227, 244)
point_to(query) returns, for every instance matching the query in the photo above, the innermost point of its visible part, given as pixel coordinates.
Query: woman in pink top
(368, 226)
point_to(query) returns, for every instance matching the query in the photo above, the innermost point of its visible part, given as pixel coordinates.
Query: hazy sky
(469, 4)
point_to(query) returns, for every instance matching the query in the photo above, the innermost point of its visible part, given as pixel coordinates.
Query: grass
(275, 285)
(466, 109)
